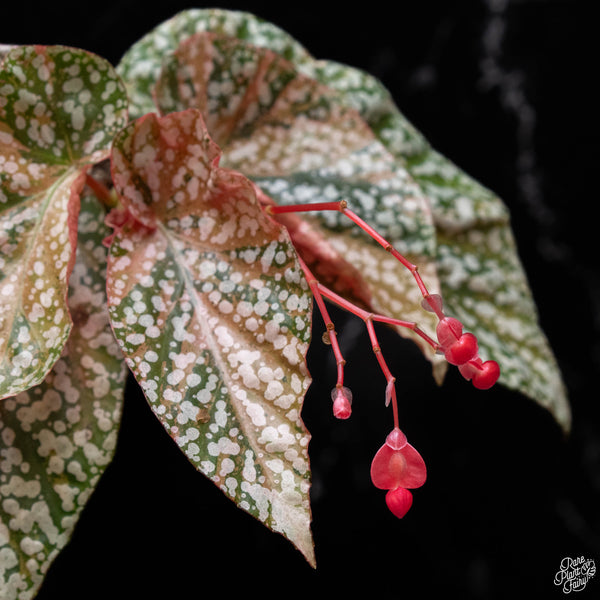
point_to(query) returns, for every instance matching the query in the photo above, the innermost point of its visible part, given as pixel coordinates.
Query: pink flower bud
(463, 349)
(342, 402)
(399, 501)
(483, 374)
(448, 331)
(486, 377)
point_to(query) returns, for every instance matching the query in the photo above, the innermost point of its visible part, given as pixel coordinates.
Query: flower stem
(364, 315)
(314, 287)
(342, 206)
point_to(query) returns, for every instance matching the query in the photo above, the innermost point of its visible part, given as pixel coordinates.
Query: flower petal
(398, 468)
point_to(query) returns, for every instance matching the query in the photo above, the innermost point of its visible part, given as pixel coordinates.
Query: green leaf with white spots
(293, 137)
(208, 302)
(250, 96)
(5, 49)
(59, 110)
(58, 437)
(141, 64)
(475, 255)
(484, 283)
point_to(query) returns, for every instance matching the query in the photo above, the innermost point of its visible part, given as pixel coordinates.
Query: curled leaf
(52, 128)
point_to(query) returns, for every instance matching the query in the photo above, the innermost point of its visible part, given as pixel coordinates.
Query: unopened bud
(342, 402)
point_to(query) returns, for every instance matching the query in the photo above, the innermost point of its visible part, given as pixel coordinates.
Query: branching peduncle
(342, 206)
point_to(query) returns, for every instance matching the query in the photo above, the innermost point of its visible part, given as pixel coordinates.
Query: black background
(504, 89)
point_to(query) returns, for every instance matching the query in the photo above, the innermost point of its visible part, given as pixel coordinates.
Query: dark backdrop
(503, 88)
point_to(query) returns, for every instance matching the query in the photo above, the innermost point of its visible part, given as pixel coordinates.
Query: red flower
(399, 501)
(396, 467)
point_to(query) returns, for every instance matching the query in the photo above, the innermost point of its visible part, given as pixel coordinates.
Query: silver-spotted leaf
(57, 438)
(465, 214)
(5, 49)
(209, 305)
(292, 136)
(141, 64)
(59, 109)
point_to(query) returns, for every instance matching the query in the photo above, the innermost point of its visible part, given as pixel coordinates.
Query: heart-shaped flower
(483, 374)
(398, 464)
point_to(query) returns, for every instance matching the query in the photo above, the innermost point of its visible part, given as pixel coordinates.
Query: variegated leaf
(59, 109)
(58, 437)
(462, 209)
(293, 137)
(4, 50)
(242, 91)
(141, 64)
(209, 305)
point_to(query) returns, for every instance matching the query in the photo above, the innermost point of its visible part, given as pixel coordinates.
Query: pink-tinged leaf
(294, 138)
(141, 64)
(268, 117)
(59, 108)
(58, 437)
(209, 305)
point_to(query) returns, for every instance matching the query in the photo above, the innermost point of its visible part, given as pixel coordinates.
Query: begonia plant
(175, 217)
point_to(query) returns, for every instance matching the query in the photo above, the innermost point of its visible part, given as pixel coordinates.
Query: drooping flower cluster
(461, 349)
(397, 466)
